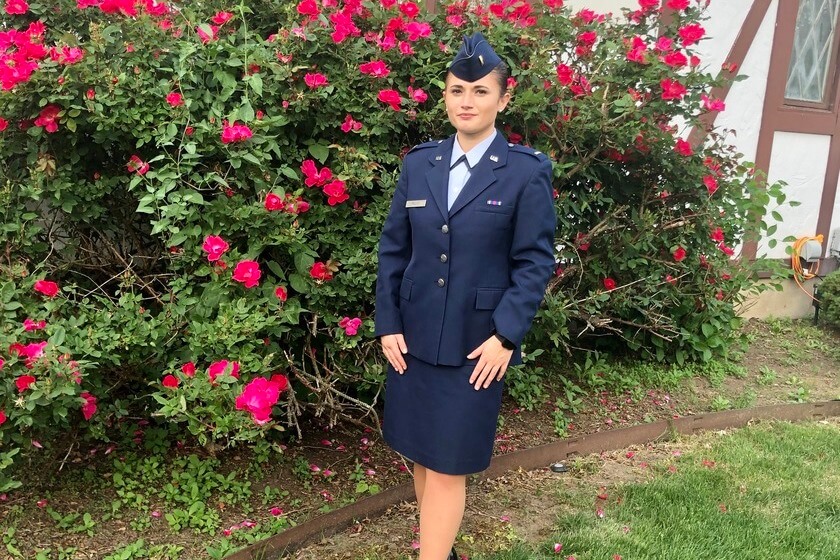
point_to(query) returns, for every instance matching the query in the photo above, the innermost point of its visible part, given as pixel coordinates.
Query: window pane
(815, 28)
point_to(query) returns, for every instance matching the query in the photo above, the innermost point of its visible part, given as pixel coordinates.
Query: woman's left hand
(493, 360)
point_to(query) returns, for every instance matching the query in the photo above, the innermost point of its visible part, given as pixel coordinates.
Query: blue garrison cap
(475, 59)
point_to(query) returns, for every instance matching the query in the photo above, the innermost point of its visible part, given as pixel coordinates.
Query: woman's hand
(393, 346)
(493, 361)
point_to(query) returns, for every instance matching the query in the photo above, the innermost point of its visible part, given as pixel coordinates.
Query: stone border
(529, 459)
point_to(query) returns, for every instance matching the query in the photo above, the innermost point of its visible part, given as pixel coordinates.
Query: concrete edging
(529, 459)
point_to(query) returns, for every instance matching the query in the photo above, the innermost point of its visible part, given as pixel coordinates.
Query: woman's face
(472, 106)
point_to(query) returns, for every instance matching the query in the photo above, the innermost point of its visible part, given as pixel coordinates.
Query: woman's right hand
(393, 346)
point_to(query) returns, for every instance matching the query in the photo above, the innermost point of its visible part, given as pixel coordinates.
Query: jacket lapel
(483, 175)
(438, 175)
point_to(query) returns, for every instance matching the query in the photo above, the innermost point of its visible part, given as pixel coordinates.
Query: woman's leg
(419, 483)
(444, 497)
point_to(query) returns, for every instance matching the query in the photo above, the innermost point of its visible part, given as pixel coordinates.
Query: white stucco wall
(835, 220)
(745, 101)
(725, 19)
(602, 6)
(800, 161)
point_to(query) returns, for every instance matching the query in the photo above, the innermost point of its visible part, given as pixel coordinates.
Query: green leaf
(275, 268)
(289, 172)
(319, 152)
(58, 336)
(298, 283)
(255, 81)
(303, 262)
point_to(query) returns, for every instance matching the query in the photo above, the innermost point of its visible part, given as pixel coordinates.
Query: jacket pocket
(488, 298)
(405, 289)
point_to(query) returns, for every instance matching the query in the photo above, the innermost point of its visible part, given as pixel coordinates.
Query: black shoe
(452, 555)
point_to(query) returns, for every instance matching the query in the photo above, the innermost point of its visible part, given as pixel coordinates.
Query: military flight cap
(475, 59)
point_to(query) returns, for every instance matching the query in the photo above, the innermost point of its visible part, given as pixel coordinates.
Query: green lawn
(766, 492)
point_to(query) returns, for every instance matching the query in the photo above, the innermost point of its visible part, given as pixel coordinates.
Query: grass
(769, 492)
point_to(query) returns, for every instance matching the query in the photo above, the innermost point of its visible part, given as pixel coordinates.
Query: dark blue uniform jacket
(447, 280)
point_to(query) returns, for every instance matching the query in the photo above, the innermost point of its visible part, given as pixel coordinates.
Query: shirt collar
(474, 155)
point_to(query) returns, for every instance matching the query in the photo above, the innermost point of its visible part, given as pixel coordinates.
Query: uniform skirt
(435, 417)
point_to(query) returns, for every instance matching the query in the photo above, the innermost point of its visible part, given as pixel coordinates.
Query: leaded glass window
(816, 26)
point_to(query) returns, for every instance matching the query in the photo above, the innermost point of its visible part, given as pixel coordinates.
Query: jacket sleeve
(394, 255)
(531, 256)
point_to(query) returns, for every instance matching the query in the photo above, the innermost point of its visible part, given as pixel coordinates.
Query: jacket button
(441, 282)
(443, 258)
(445, 228)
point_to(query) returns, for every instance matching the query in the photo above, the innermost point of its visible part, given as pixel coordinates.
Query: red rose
(248, 273)
(24, 382)
(273, 202)
(280, 293)
(171, 382)
(46, 287)
(679, 254)
(609, 284)
(319, 271)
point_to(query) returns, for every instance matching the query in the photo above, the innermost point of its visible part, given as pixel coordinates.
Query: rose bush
(193, 183)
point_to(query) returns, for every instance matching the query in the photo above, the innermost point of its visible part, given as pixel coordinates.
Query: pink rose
(390, 97)
(711, 104)
(711, 184)
(336, 193)
(16, 7)
(350, 326)
(220, 367)
(2, 417)
(214, 246)
(248, 273)
(24, 382)
(683, 148)
(672, 89)
(280, 293)
(675, 59)
(222, 18)
(375, 68)
(308, 8)
(137, 165)
(4, 124)
(417, 95)
(260, 395)
(565, 75)
(677, 4)
(175, 99)
(170, 382)
(315, 80)
(417, 30)
(188, 369)
(89, 407)
(48, 118)
(46, 287)
(691, 33)
(350, 124)
(313, 176)
(204, 35)
(30, 325)
(409, 9)
(273, 202)
(319, 271)
(235, 133)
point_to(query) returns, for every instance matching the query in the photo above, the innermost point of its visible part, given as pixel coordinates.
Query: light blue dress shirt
(460, 174)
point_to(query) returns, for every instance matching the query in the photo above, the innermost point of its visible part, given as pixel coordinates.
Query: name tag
(415, 203)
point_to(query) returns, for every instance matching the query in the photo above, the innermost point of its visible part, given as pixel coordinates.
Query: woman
(464, 258)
